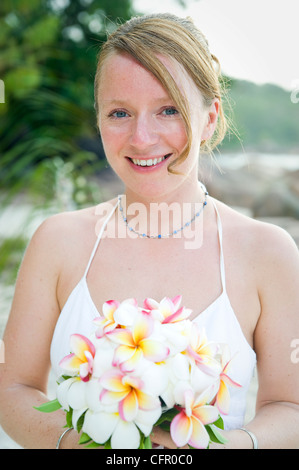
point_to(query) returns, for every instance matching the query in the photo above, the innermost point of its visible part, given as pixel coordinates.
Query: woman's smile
(148, 164)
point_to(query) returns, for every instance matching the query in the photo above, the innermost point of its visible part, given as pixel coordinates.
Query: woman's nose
(144, 132)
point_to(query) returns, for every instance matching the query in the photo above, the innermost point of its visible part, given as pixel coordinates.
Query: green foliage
(48, 75)
(265, 118)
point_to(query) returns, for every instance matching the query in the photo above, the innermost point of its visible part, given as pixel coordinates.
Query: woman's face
(142, 130)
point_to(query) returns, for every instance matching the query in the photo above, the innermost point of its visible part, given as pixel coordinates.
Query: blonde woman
(159, 105)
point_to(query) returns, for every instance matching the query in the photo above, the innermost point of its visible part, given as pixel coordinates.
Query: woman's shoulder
(76, 221)
(262, 240)
(63, 231)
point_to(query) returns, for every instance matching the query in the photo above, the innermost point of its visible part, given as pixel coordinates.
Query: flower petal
(125, 436)
(93, 425)
(199, 437)
(62, 390)
(223, 398)
(70, 363)
(147, 402)
(206, 414)
(109, 308)
(121, 336)
(79, 344)
(123, 353)
(181, 429)
(126, 313)
(128, 407)
(132, 363)
(76, 395)
(112, 381)
(154, 350)
(142, 328)
(145, 420)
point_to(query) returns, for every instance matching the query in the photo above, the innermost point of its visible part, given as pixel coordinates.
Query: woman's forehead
(118, 62)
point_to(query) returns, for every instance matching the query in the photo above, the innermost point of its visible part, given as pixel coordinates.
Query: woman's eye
(118, 114)
(170, 111)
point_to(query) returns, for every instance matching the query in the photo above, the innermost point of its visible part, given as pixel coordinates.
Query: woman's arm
(27, 339)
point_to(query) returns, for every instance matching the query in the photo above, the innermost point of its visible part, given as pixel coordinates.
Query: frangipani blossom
(188, 427)
(129, 393)
(167, 311)
(106, 322)
(202, 351)
(137, 343)
(80, 361)
(222, 399)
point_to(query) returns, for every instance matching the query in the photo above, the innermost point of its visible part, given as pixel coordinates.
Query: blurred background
(51, 157)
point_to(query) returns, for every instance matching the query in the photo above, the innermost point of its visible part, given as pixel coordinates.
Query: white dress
(219, 321)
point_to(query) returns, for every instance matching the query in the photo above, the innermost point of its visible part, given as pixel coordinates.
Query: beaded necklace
(144, 235)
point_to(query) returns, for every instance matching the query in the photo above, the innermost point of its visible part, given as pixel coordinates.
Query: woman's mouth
(149, 162)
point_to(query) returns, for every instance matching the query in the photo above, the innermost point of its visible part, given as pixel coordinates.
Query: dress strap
(222, 268)
(99, 238)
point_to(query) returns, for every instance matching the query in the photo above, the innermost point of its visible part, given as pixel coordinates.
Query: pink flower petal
(153, 350)
(109, 308)
(128, 407)
(70, 363)
(142, 328)
(121, 336)
(199, 437)
(206, 414)
(181, 429)
(132, 363)
(112, 381)
(223, 399)
(79, 344)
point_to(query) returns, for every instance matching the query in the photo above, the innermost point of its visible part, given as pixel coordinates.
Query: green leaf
(69, 418)
(48, 407)
(167, 416)
(147, 444)
(215, 435)
(84, 438)
(219, 423)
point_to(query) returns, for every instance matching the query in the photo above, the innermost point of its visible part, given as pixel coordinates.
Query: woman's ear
(212, 118)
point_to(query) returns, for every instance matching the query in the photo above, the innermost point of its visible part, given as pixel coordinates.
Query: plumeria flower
(222, 399)
(137, 343)
(129, 392)
(188, 426)
(202, 351)
(168, 310)
(80, 361)
(106, 322)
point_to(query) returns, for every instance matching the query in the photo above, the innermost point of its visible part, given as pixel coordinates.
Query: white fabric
(219, 321)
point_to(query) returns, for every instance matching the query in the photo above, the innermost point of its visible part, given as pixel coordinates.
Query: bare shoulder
(268, 246)
(62, 234)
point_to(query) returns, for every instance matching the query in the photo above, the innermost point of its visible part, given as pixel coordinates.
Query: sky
(255, 40)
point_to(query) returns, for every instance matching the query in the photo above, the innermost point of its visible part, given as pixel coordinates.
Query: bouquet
(144, 366)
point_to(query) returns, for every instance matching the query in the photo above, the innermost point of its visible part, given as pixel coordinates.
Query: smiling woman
(159, 105)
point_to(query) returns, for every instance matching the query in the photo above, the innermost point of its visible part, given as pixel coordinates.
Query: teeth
(149, 162)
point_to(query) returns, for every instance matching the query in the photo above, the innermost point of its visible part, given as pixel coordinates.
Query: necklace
(145, 235)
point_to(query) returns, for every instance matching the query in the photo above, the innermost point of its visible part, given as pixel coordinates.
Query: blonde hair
(146, 36)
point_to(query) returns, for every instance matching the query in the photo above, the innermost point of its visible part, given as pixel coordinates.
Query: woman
(159, 103)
